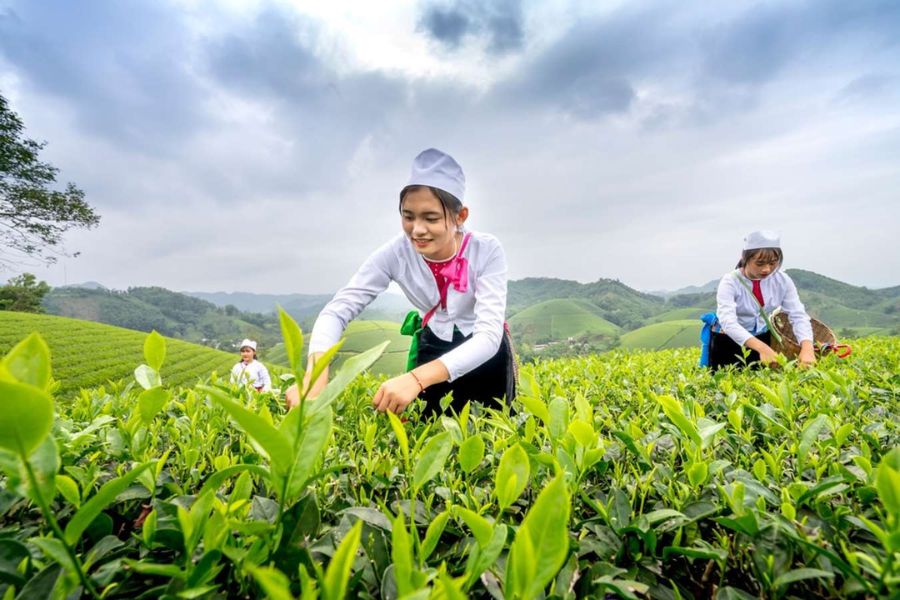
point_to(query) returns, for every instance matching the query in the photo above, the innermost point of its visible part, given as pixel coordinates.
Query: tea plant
(627, 474)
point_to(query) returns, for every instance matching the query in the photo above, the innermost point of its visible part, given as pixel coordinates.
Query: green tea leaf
(433, 534)
(401, 554)
(313, 440)
(559, 417)
(334, 585)
(155, 350)
(351, 368)
(481, 528)
(697, 473)
(536, 407)
(26, 415)
(147, 377)
(809, 437)
(270, 439)
(542, 541)
(487, 554)
(583, 433)
(293, 340)
(800, 575)
(471, 453)
(887, 482)
(675, 413)
(512, 476)
(105, 496)
(54, 549)
(151, 401)
(273, 582)
(400, 433)
(29, 362)
(69, 490)
(431, 459)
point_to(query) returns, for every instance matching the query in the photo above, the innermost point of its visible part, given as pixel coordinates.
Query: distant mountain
(264, 303)
(540, 311)
(709, 286)
(87, 285)
(305, 307)
(170, 313)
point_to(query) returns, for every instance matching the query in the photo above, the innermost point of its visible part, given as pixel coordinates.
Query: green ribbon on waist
(412, 326)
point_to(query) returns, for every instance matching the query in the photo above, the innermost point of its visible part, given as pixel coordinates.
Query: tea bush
(629, 474)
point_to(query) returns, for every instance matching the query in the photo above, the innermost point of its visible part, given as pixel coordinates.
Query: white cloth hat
(437, 169)
(762, 239)
(248, 344)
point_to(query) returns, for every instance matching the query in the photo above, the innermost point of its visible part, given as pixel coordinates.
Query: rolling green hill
(170, 313)
(660, 336)
(559, 319)
(362, 335)
(612, 300)
(86, 354)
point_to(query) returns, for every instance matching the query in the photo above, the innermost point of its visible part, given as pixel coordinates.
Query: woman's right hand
(292, 397)
(292, 394)
(767, 356)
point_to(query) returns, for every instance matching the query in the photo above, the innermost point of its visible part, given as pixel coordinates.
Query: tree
(33, 216)
(23, 293)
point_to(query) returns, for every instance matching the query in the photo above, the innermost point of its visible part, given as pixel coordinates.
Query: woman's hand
(807, 355)
(292, 397)
(292, 394)
(767, 356)
(396, 394)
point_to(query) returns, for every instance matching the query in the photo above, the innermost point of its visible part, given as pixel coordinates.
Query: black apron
(491, 384)
(724, 351)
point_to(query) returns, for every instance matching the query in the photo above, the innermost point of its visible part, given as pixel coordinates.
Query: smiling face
(761, 263)
(247, 354)
(430, 227)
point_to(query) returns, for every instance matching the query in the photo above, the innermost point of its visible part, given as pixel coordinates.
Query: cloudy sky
(260, 146)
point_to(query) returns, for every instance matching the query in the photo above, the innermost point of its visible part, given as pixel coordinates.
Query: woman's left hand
(807, 356)
(396, 394)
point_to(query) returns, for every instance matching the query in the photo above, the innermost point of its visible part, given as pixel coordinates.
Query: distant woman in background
(249, 370)
(747, 296)
(457, 281)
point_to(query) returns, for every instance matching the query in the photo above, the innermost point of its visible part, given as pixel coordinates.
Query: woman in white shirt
(757, 284)
(457, 281)
(249, 370)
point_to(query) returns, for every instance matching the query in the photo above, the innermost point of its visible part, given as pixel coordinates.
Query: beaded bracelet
(419, 381)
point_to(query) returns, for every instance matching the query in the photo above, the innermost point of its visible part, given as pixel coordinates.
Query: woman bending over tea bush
(745, 299)
(455, 278)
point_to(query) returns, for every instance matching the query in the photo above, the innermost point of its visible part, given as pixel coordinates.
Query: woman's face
(431, 234)
(760, 266)
(247, 354)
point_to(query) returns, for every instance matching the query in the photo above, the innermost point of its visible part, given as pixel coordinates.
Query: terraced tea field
(88, 354)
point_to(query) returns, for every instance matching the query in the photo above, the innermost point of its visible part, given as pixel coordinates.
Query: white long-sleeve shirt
(254, 372)
(738, 311)
(479, 311)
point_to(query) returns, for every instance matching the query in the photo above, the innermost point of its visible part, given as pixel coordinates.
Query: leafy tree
(23, 293)
(33, 216)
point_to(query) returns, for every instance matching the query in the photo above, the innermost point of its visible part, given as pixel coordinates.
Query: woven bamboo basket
(822, 334)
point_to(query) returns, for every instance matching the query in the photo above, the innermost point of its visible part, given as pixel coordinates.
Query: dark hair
(769, 254)
(449, 203)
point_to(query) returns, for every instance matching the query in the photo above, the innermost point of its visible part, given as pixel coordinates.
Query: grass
(88, 354)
